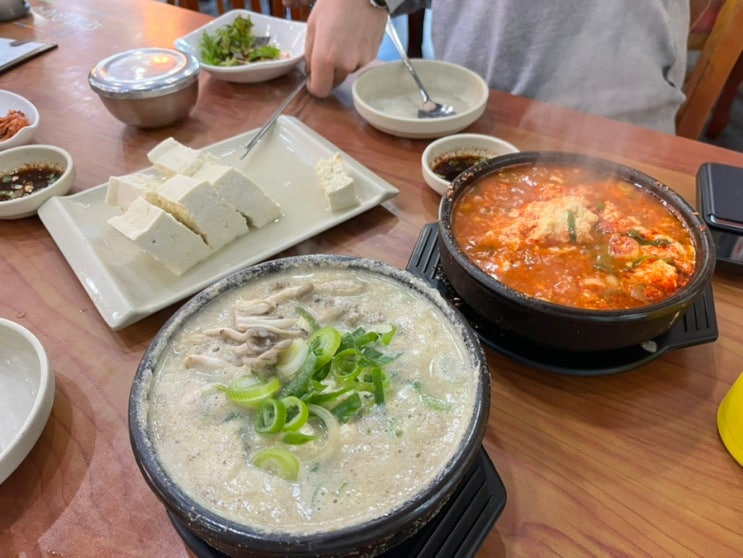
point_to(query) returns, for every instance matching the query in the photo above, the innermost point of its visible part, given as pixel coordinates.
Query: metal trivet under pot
(698, 325)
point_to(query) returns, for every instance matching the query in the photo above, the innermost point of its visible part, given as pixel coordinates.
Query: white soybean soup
(312, 400)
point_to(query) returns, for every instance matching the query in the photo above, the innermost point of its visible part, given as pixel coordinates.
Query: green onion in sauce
(27, 180)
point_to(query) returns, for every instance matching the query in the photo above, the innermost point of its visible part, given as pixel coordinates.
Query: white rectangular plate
(126, 284)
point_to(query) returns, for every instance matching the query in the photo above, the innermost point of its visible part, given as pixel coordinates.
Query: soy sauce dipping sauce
(451, 167)
(26, 180)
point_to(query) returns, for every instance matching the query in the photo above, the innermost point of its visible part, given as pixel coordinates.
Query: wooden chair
(194, 4)
(276, 8)
(716, 77)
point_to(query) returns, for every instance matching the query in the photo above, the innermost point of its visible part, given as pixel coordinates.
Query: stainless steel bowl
(13, 9)
(148, 87)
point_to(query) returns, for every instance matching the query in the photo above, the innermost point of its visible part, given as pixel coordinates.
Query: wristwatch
(381, 4)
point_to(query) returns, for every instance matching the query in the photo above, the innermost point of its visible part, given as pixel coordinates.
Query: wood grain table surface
(629, 464)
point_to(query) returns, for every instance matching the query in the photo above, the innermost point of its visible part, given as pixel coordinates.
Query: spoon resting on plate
(430, 108)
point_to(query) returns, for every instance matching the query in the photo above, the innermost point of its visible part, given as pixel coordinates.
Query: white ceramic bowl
(287, 35)
(26, 394)
(388, 98)
(18, 157)
(458, 145)
(11, 101)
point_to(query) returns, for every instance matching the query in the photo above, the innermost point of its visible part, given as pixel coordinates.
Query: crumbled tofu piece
(338, 186)
(123, 190)
(196, 204)
(545, 222)
(171, 158)
(159, 234)
(240, 192)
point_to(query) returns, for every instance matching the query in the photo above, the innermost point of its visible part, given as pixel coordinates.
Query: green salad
(235, 45)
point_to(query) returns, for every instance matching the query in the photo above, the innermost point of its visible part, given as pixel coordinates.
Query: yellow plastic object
(730, 420)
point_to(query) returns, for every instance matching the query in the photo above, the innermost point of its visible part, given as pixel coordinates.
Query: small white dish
(11, 101)
(456, 146)
(387, 97)
(287, 35)
(18, 157)
(26, 394)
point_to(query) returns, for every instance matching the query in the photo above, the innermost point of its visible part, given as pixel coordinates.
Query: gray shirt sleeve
(622, 59)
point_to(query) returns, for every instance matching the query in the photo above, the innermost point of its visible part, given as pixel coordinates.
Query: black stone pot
(368, 539)
(553, 325)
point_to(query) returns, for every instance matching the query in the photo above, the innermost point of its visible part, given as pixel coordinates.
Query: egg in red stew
(574, 236)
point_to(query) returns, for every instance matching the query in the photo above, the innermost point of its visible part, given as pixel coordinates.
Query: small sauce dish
(445, 158)
(29, 163)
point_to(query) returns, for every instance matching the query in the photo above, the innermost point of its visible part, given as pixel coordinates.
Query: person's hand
(342, 36)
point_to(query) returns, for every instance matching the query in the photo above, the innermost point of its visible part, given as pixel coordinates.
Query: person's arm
(342, 36)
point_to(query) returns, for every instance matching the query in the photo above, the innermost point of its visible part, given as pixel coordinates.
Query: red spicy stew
(574, 236)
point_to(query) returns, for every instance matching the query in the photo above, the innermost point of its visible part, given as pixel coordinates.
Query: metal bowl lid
(144, 72)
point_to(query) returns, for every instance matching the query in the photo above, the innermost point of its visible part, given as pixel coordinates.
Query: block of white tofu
(240, 192)
(161, 235)
(338, 186)
(171, 157)
(123, 190)
(196, 204)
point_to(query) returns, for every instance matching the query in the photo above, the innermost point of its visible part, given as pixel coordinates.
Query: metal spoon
(271, 119)
(261, 41)
(430, 108)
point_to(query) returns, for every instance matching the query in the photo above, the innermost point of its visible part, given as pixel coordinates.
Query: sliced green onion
(331, 426)
(431, 401)
(386, 338)
(297, 438)
(346, 365)
(271, 416)
(321, 398)
(642, 240)
(297, 413)
(348, 408)
(244, 390)
(572, 233)
(309, 318)
(298, 385)
(279, 462)
(639, 261)
(291, 359)
(378, 378)
(324, 343)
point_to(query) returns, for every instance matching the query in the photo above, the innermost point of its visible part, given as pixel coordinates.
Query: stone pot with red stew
(571, 251)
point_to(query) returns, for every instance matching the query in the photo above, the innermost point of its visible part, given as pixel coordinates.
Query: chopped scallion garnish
(279, 462)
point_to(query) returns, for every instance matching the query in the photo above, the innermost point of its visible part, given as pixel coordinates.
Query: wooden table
(622, 465)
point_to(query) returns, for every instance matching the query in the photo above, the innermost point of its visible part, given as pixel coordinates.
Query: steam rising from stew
(574, 236)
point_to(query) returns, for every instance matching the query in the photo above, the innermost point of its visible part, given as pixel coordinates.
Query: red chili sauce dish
(26, 180)
(574, 236)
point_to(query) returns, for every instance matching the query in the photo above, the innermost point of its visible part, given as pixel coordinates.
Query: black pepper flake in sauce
(451, 167)
(26, 180)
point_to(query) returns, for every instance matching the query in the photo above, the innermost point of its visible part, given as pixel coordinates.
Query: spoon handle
(257, 137)
(395, 38)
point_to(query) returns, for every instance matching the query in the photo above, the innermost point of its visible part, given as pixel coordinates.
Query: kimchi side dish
(574, 236)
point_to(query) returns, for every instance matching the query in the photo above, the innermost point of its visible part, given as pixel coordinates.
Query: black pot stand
(697, 326)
